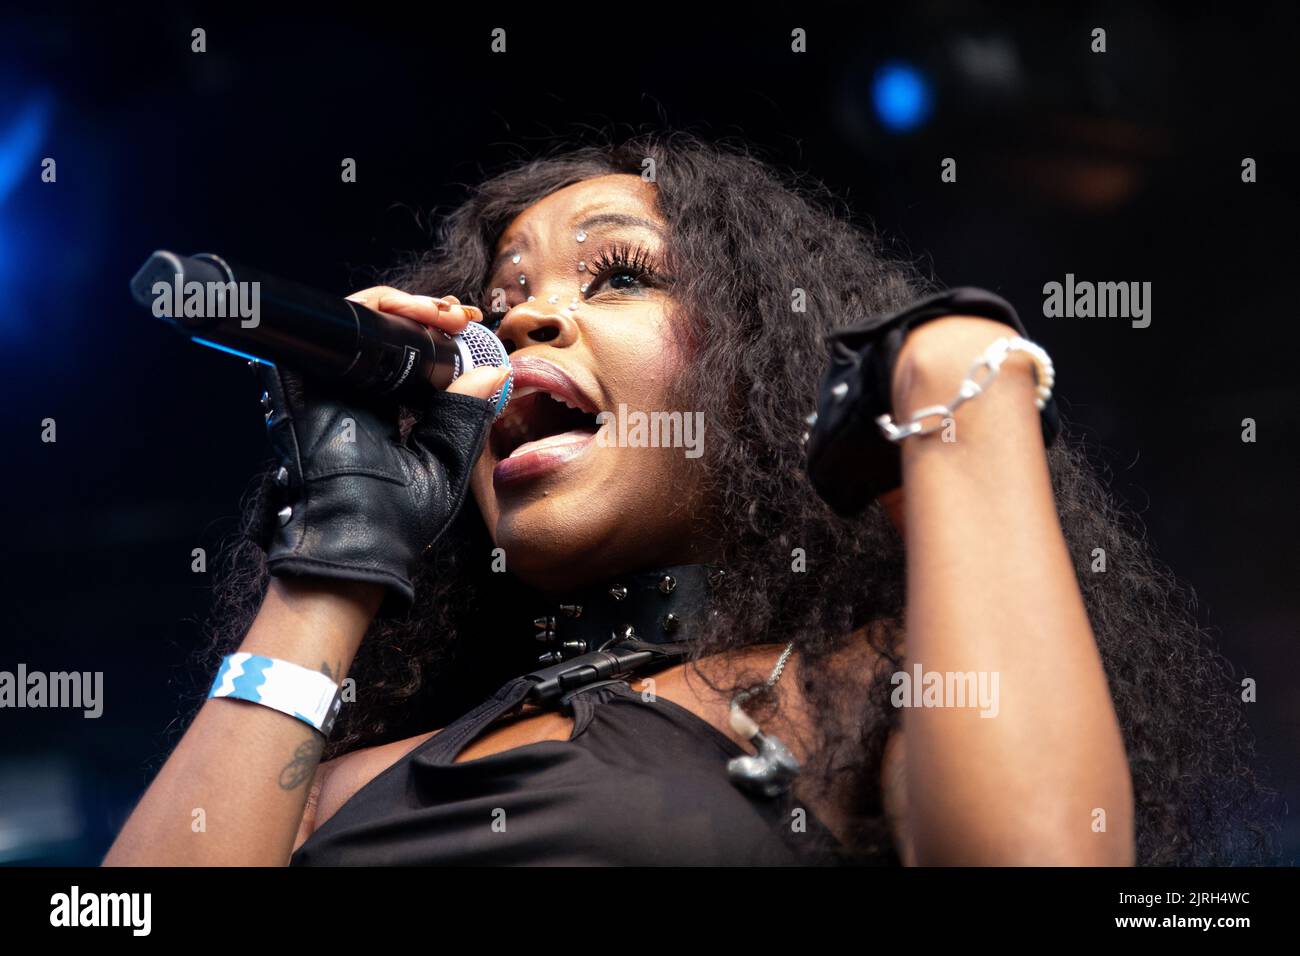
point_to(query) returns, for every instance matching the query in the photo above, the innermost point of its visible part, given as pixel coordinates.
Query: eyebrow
(621, 219)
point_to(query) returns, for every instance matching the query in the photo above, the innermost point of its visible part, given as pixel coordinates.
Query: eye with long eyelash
(619, 258)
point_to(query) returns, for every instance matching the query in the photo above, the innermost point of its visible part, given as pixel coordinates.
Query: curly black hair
(741, 238)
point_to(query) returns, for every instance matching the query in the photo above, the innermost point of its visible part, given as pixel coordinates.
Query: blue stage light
(22, 133)
(20, 140)
(226, 348)
(902, 97)
(8, 255)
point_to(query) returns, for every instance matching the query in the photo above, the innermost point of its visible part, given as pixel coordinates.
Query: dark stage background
(1122, 166)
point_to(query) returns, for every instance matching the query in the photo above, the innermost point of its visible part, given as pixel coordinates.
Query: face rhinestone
(582, 236)
(582, 266)
(573, 304)
(583, 287)
(553, 299)
(531, 297)
(515, 259)
(523, 279)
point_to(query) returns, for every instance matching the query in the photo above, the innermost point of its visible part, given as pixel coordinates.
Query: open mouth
(537, 420)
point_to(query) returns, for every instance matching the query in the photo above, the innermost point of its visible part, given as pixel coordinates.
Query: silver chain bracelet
(981, 375)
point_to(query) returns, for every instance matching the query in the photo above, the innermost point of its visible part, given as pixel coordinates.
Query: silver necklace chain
(775, 676)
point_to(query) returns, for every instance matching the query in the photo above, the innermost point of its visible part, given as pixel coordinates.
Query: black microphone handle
(313, 332)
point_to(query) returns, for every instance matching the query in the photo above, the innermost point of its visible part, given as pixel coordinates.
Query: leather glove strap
(349, 500)
(850, 463)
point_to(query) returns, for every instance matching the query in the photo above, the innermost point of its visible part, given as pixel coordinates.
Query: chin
(559, 527)
(552, 545)
(574, 528)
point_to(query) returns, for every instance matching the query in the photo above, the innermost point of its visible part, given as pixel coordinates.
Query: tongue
(574, 437)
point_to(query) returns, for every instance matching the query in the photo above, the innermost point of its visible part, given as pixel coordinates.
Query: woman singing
(558, 639)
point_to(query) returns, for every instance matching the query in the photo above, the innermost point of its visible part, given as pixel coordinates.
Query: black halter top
(640, 781)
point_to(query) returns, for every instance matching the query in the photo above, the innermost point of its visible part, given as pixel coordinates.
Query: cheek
(641, 365)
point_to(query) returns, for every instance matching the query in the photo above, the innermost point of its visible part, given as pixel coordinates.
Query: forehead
(619, 193)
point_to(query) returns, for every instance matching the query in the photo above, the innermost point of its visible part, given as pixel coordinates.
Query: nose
(536, 322)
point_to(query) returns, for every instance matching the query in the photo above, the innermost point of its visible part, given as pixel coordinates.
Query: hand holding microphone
(450, 316)
(347, 498)
(350, 500)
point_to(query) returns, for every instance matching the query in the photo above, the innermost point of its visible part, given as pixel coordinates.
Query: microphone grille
(484, 348)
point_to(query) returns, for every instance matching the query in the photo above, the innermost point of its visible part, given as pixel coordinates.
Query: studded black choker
(663, 606)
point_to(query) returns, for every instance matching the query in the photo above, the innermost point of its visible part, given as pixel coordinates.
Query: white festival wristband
(289, 688)
(981, 375)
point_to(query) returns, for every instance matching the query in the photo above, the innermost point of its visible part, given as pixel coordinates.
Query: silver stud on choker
(656, 608)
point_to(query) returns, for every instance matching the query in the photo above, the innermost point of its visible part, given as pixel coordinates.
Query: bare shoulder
(693, 685)
(688, 686)
(337, 781)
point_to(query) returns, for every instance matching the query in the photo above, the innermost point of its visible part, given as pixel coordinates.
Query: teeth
(530, 389)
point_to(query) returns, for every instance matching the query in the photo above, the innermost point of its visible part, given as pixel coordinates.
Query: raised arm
(991, 588)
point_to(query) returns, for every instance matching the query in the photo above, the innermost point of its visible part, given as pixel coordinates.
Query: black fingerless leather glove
(349, 500)
(850, 462)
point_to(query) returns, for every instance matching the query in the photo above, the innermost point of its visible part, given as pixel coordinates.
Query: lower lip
(534, 464)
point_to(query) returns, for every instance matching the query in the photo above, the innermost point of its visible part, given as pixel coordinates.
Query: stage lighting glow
(902, 97)
(20, 138)
(226, 348)
(7, 255)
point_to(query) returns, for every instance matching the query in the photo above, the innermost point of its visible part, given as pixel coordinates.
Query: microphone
(261, 317)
